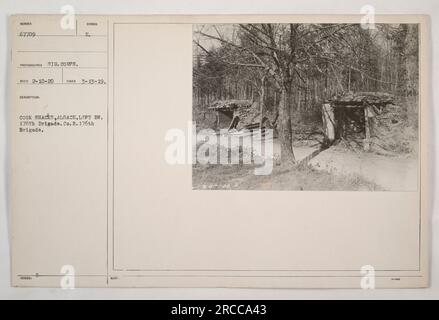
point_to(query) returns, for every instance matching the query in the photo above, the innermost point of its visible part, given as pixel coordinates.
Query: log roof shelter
(362, 99)
(230, 105)
(239, 114)
(226, 110)
(353, 110)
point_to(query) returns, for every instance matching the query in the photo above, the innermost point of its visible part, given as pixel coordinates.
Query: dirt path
(391, 173)
(300, 152)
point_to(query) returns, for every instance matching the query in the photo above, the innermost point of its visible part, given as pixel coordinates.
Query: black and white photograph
(329, 106)
(280, 152)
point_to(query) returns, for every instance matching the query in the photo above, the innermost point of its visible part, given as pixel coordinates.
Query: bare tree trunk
(328, 118)
(349, 80)
(262, 102)
(367, 114)
(284, 127)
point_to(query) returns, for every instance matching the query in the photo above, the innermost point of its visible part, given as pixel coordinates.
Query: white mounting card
(280, 151)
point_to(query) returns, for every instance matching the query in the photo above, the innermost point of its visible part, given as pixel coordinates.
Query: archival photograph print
(306, 107)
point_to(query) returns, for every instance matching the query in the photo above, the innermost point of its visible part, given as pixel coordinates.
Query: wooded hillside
(291, 69)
